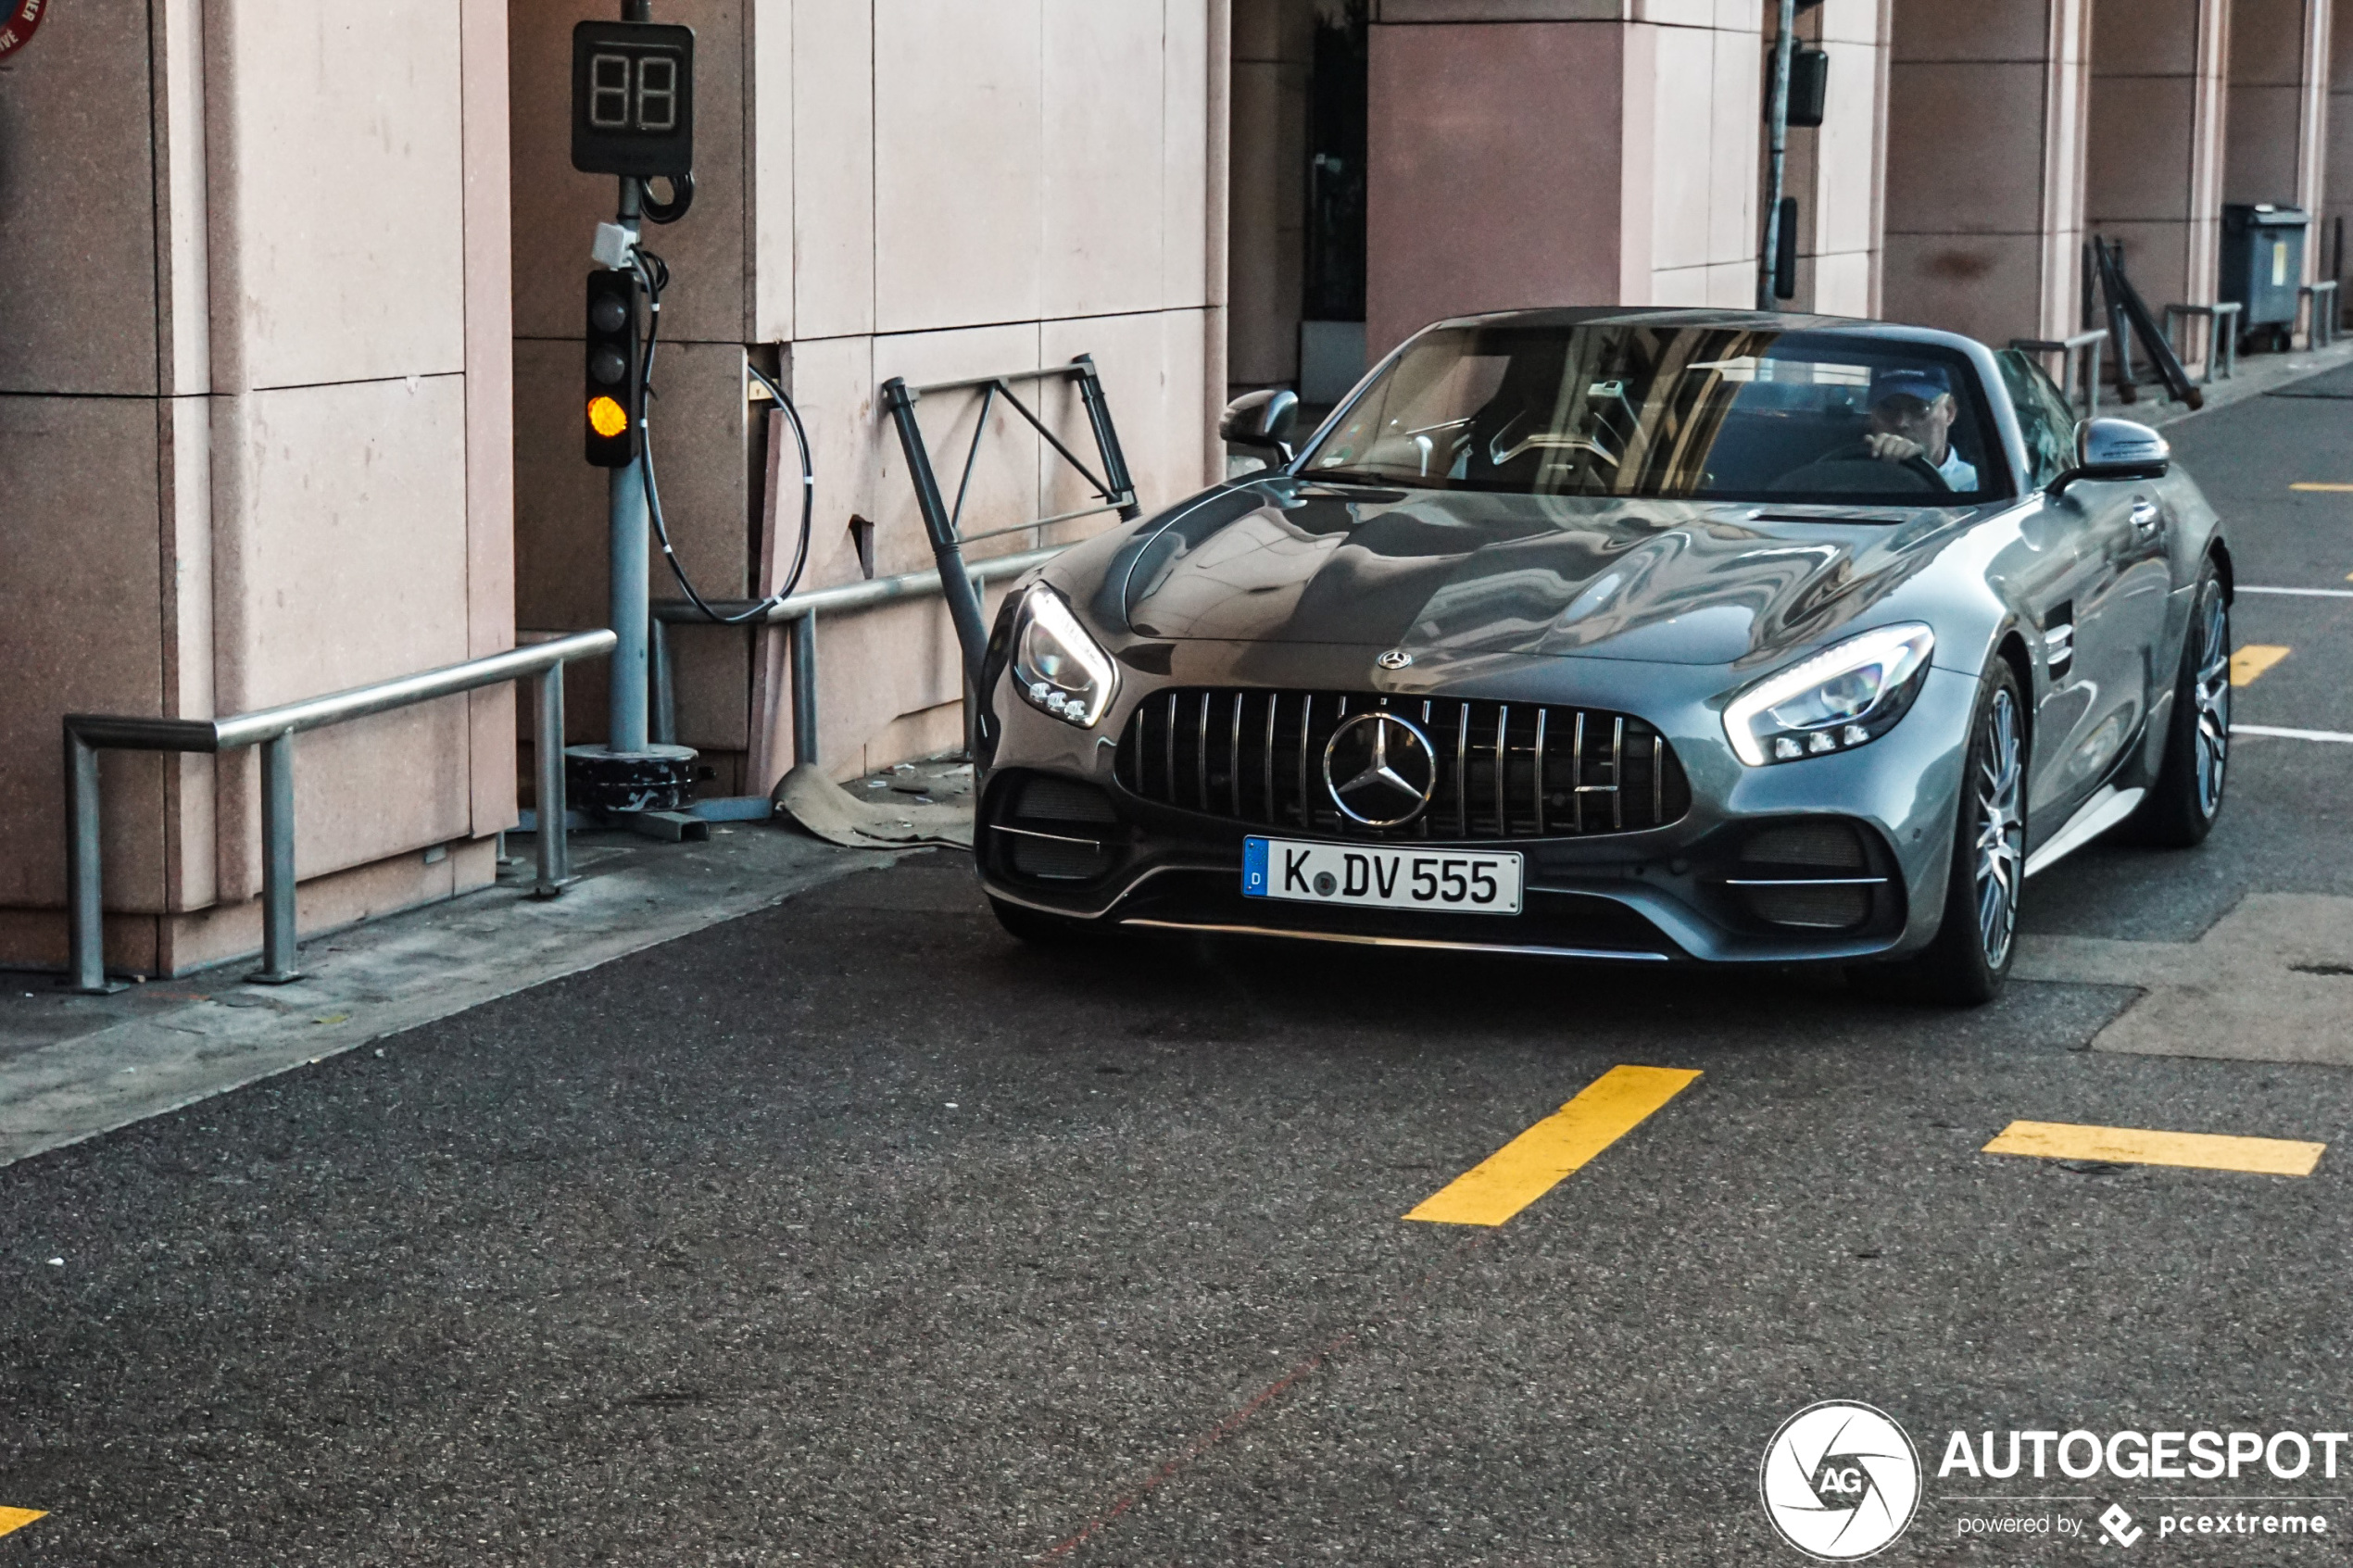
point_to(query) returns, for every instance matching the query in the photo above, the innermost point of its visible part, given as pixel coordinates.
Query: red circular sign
(18, 18)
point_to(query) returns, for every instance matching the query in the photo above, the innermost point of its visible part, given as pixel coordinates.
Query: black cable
(682, 197)
(655, 274)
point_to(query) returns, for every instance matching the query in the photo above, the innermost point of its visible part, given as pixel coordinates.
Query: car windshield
(1674, 411)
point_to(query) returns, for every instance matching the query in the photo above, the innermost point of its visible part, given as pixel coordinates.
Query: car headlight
(1059, 668)
(1846, 695)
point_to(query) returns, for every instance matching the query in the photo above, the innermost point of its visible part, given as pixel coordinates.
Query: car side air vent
(1809, 876)
(1049, 798)
(1046, 829)
(1828, 848)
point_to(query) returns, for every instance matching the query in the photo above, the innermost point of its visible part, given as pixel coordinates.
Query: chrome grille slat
(1617, 777)
(1502, 771)
(1274, 702)
(1462, 770)
(1201, 754)
(1577, 771)
(1607, 755)
(1306, 724)
(1541, 714)
(1234, 765)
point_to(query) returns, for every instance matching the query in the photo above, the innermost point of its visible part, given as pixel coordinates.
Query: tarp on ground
(834, 814)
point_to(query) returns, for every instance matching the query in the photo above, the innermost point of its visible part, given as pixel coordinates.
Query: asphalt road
(854, 1233)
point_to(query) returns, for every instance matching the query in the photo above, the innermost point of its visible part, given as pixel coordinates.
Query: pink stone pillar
(1559, 152)
(2279, 101)
(1985, 166)
(2154, 171)
(2338, 152)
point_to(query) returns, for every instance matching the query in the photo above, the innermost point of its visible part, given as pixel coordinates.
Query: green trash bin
(2263, 266)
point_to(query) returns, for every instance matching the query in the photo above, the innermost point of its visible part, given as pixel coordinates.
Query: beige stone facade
(290, 371)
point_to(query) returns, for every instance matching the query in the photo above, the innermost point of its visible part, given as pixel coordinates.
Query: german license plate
(1459, 881)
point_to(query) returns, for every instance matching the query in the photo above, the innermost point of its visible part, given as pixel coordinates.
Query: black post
(1785, 251)
(955, 585)
(1091, 392)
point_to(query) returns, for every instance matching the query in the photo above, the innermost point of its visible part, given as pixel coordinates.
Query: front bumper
(1683, 890)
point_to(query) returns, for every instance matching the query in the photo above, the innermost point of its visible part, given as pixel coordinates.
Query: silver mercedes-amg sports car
(1630, 636)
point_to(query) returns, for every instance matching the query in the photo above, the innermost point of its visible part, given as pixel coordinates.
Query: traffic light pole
(632, 118)
(631, 557)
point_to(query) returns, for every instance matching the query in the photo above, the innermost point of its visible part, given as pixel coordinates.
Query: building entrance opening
(1298, 199)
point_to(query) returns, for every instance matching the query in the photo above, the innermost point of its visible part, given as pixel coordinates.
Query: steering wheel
(1856, 469)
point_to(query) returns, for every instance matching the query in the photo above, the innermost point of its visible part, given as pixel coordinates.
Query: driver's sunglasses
(1902, 404)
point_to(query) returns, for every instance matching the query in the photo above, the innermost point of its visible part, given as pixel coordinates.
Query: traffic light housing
(614, 408)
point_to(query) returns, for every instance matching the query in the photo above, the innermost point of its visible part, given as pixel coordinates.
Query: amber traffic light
(616, 369)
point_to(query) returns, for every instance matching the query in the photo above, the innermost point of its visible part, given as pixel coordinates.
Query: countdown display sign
(18, 19)
(633, 99)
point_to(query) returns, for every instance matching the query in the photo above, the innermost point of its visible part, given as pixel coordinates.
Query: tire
(2181, 809)
(1037, 928)
(1977, 939)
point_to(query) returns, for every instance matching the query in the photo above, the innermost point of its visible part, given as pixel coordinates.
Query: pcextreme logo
(1840, 1481)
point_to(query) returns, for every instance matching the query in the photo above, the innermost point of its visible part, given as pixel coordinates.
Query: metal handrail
(2086, 346)
(273, 730)
(801, 610)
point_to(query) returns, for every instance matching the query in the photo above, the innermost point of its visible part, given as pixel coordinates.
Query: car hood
(1284, 560)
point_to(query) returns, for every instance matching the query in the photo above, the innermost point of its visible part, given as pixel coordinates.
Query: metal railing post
(547, 749)
(1115, 474)
(88, 912)
(278, 955)
(804, 690)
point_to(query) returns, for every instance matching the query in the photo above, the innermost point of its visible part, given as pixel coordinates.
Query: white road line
(2305, 593)
(2291, 734)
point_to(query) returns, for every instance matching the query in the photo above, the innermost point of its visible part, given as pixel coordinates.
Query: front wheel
(1969, 958)
(2181, 810)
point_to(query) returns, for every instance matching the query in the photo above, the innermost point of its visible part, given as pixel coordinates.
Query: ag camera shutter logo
(1840, 1481)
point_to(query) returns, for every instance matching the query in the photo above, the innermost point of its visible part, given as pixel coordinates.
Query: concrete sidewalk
(2256, 374)
(74, 1066)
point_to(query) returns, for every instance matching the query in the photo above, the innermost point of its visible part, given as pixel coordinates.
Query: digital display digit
(657, 94)
(633, 109)
(609, 77)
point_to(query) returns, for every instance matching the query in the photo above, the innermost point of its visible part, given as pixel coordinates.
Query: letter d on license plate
(1455, 882)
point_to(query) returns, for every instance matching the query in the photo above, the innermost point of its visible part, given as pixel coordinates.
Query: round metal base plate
(660, 778)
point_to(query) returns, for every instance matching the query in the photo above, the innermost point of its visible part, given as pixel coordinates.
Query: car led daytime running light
(1060, 668)
(1846, 695)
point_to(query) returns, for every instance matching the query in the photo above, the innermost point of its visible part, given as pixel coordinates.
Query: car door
(2073, 579)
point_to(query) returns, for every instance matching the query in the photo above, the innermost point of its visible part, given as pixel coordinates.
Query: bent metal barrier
(273, 729)
(956, 580)
(801, 611)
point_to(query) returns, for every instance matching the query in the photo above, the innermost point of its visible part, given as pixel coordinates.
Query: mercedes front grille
(1503, 770)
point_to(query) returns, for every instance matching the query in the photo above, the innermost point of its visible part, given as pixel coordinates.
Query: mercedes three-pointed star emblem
(1380, 770)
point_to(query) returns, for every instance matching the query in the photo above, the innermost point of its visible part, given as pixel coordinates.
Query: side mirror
(2116, 449)
(1262, 420)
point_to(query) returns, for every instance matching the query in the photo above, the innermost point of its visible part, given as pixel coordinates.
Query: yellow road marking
(18, 1518)
(1533, 1163)
(2134, 1146)
(2253, 660)
(2332, 489)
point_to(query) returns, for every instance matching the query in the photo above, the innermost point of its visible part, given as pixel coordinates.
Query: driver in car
(1912, 417)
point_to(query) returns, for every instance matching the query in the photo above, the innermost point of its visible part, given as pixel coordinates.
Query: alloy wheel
(2211, 692)
(2001, 830)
